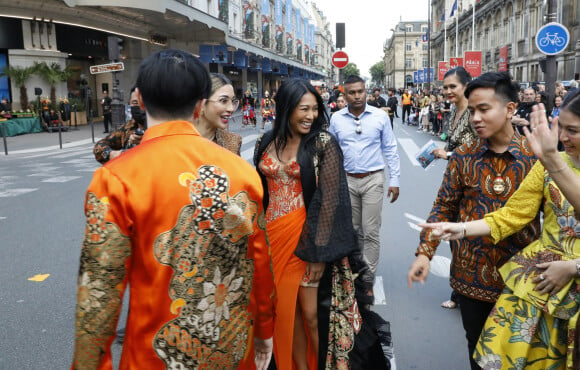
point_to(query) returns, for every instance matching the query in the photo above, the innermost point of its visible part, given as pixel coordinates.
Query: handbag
(443, 136)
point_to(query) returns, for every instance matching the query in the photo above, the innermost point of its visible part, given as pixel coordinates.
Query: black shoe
(105, 132)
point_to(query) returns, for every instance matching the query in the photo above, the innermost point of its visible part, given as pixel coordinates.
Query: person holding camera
(126, 137)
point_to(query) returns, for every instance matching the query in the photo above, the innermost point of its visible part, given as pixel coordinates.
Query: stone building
(234, 37)
(404, 52)
(511, 23)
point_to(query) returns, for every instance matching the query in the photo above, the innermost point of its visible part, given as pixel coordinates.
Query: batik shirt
(467, 193)
(116, 140)
(179, 219)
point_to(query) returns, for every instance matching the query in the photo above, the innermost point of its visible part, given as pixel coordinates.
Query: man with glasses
(365, 135)
(179, 218)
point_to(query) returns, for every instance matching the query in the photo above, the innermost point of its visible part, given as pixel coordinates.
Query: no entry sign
(339, 59)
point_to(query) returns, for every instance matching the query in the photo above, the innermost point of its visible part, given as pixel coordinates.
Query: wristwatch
(107, 154)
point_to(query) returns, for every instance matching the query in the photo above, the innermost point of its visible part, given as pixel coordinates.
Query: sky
(368, 24)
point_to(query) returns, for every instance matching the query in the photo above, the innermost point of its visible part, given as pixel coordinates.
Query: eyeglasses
(358, 129)
(224, 102)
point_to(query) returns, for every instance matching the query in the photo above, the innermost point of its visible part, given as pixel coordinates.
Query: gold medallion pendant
(498, 185)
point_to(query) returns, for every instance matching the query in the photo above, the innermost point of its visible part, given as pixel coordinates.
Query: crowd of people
(234, 266)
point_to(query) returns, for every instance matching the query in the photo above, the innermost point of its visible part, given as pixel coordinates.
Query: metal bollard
(4, 138)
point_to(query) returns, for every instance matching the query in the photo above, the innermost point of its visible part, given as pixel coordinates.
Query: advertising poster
(503, 55)
(279, 21)
(473, 63)
(248, 19)
(455, 62)
(265, 23)
(443, 68)
(289, 28)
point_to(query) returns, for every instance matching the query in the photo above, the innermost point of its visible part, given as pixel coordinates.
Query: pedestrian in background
(179, 218)
(367, 141)
(216, 113)
(106, 103)
(126, 137)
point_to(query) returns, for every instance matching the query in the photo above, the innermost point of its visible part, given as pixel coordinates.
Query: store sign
(473, 63)
(105, 68)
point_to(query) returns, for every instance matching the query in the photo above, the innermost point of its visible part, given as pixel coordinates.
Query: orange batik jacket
(180, 220)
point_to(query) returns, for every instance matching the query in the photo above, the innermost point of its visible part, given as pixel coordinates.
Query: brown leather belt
(362, 175)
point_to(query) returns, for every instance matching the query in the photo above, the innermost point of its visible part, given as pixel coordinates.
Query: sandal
(449, 304)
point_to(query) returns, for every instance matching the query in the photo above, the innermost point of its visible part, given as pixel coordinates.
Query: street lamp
(404, 29)
(394, 83)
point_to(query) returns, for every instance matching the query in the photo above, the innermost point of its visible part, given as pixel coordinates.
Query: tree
(18, 76)
(52, 75)
(350, 69)
(377, 72)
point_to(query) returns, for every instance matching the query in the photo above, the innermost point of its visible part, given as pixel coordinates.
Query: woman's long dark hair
(287, 99)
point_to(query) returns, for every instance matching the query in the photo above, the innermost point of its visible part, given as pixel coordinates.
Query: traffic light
(114, 47)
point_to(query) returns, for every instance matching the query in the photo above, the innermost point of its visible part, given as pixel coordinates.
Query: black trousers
(406, 108)
(473, 315)
(107, 119)
(391, 117)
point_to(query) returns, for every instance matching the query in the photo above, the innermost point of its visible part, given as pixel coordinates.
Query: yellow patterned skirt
(525, 329)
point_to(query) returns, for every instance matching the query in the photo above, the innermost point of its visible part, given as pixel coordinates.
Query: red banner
(473, 63)
(503, 54)
(443, 67)
(455, 62)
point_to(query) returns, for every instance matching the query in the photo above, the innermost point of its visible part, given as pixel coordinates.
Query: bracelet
(559, 170)
(464, 230)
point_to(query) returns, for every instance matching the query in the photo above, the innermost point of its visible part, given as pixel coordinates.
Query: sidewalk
(45, 141)
(81, 135)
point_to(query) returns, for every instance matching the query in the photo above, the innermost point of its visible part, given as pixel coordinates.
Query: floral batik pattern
(104, 253)
(212, 279)
(527, 329)
(345, 319)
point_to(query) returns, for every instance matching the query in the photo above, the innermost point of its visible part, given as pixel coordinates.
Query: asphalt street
(41, 228)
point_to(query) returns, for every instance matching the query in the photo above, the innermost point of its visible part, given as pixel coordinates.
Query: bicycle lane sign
(552, 38)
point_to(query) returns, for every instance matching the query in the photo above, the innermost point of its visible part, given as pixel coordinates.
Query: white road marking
(414, 226)
(379, 291)
(61, 179)
(15, 192)
(87, 169)
(2, 218)
(410, 149)
(414, 218)
(440, 266)
(75, 161)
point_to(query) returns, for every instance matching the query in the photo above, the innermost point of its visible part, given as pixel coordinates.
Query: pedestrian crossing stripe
(14, 192)
(61, 179)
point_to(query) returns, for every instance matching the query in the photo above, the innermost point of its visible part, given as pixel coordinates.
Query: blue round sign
(552, 38)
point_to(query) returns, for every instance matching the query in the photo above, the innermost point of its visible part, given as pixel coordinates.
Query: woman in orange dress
(310, 232)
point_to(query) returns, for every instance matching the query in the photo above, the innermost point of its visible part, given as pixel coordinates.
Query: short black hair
(392, 89)
(572, 102)
(505, 89)
(352, 79)
(171, 83)
(377, 89)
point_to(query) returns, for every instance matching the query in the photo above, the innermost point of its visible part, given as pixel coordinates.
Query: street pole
(405, 57)
(551, 69)
(429, 46)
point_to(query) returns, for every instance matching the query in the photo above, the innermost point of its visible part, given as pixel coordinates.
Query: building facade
(497, 23)
(257, 43)
(404, 52)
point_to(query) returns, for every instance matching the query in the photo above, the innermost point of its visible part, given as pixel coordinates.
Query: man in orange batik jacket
(180, 220)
